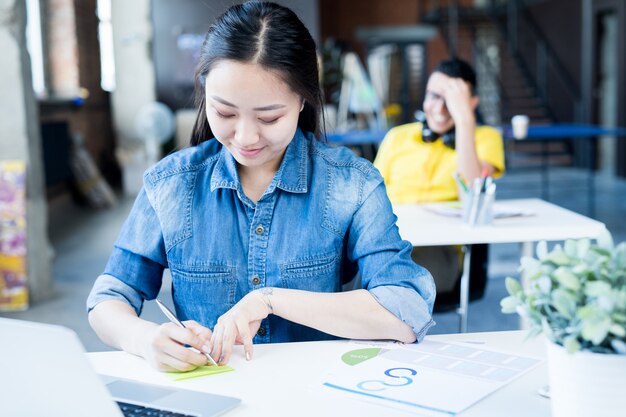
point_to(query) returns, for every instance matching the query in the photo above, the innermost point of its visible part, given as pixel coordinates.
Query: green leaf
(619, 317)
(509, 304)
(546, 329)
(354, 357)
(582, 248)
(596, 331)
(565, 303)
(617, 330)
(597, 289)
(581, 269)
(605, 302)
(532, 277)
(566, 278)
(544, 284)
(606, 253)
(529, 265)
(620, 256)
(589, 312)
(571, 248)
(571, 344)
(547, 268)
(605, 240)
(512, 286)
(534, 331)
(559, 258)
(542, 250)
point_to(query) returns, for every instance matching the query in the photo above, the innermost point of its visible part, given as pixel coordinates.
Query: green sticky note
(198, 372)
(354, 357)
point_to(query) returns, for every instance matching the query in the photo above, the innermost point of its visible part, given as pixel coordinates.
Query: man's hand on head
(459, 101)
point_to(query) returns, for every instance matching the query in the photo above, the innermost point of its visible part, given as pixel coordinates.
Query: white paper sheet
(453, 209)
(431, 379)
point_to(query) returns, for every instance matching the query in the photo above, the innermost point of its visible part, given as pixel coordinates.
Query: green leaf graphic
(355, 357)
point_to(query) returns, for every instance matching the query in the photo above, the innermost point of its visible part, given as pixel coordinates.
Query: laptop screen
(45, 372)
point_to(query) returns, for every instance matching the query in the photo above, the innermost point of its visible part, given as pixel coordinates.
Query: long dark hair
(269, 35)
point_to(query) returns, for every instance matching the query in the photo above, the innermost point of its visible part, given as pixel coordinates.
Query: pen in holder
(477, 202)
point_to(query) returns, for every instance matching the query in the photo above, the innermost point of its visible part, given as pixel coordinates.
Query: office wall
(597, 9)
(565, 36)
(575, 40)
(339, 19)
(79, 50)
(566, 42)
(134, 65)
(173, 20)
(19, 139)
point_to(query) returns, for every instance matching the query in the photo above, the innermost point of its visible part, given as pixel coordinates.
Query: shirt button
(256, 280)
(259, 230)
(261, 331)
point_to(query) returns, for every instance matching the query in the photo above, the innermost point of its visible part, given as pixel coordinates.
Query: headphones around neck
(428, 136)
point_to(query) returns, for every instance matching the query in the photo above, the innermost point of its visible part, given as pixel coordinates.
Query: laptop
(44, 372)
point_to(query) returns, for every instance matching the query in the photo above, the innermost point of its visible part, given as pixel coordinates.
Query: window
(105, 34)
(35, 47)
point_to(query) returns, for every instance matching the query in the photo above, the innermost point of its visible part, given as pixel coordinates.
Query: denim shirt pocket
(172, 198)
(203, 292)
(318, 273)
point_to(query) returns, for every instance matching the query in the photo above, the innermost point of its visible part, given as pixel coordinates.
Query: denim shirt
(324, 216)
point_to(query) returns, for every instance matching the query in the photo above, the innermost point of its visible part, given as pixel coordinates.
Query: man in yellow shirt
(418, 160)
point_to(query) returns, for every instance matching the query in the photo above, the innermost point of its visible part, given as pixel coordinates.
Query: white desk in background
(279, 379)
(549, 222)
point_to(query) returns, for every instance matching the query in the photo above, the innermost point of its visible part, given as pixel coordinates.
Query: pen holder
(477, 208)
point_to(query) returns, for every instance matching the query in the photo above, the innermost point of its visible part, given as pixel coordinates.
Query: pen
(460, 181)
(168, 313)
(475, 201)
(484, 175)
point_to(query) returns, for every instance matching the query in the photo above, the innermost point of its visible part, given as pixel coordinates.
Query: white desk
(549, 222)
(279, 380)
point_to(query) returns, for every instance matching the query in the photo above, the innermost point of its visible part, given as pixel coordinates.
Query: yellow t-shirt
(416, 171)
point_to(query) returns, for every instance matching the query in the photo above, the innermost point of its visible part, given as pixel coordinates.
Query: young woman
(259, 222)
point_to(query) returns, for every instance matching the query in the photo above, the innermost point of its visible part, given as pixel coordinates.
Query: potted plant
(575, 295)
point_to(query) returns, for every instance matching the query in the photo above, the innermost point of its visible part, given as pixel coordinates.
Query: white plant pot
(586, 384)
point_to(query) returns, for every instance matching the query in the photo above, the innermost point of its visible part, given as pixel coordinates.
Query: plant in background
(575, 295)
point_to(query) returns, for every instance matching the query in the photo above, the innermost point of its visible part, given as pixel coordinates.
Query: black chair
(56, 145)
(479, 262)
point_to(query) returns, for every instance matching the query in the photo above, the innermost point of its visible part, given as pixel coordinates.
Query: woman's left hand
(240, 324)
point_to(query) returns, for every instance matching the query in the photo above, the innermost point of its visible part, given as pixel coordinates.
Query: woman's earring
(302, 106)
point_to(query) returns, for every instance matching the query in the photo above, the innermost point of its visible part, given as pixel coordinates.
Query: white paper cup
(520, 126)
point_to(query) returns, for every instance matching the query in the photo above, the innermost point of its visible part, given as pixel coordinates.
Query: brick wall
(74, 58)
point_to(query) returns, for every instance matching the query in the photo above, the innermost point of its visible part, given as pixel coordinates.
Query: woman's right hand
(164, 346)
